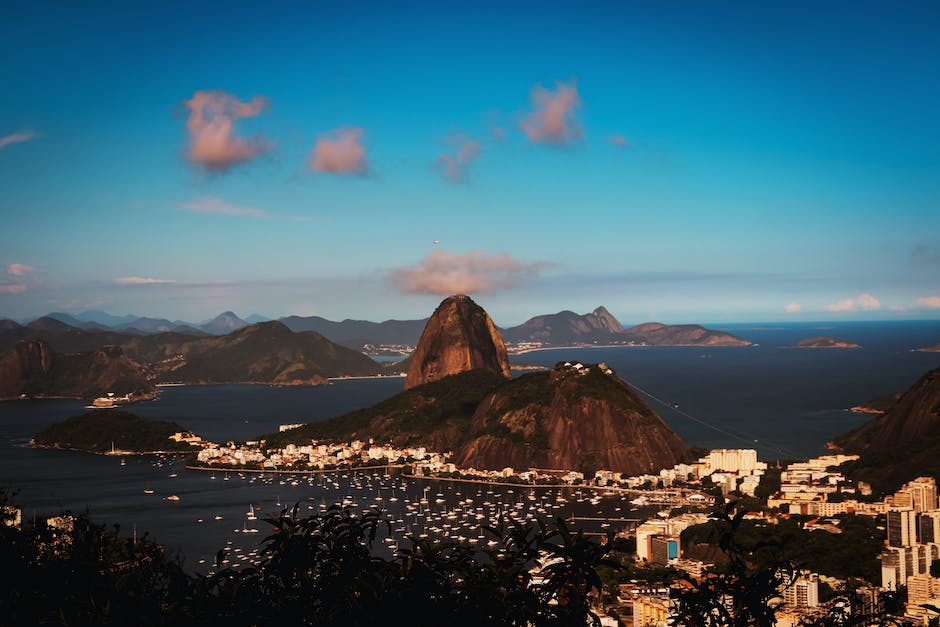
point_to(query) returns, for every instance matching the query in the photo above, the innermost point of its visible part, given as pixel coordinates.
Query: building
(898, 564)
(804, 592)
(650, 612)
(902, 526)
(663, 549)
(928, 527)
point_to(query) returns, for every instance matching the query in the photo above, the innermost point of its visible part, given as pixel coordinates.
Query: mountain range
(565, 328)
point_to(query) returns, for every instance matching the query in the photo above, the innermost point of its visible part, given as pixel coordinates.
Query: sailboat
(251, 513)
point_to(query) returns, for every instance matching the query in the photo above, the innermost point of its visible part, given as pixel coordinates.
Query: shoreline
(116, 453)
(578, 347)
(293, 472)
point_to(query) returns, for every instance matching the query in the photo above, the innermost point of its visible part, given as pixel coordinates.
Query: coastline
(115, 453)
(583, 346)
(294, 472)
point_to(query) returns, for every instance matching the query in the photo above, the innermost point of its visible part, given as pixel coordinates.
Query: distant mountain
(149, 325)
(254, 318)
(104, 318)
(77, 323)
(263, 353)
(32, 368)
(459, 336)
(225, 322)
(359, 333)
(600, 327)
(8, 325)
(901, 444)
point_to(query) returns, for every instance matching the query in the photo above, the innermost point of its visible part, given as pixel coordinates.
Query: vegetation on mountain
(902, 443)
(825, 342)
(31, 368)
(102, 430)
(434, 413)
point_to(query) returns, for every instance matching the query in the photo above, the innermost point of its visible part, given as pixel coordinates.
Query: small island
(933, 348)
(825, 342)
(115, 432)
(877, 406)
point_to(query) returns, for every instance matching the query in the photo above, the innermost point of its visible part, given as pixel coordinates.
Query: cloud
(139, 280)
(552, 119)
(793, 308)
(12, 288)
(16, 138)
(472, 272)
(211, 126)
(454, 166)
(21, 269)
(930, 302)
(899, 308)
(217, 206)
(339, 152)
(862, 302)
(618, 140)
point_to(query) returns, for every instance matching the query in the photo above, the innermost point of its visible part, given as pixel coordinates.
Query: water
(783, 401)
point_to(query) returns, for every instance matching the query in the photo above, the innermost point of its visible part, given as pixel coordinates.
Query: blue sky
(681, 162)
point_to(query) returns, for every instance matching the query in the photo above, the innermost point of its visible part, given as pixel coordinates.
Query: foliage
(98, 430)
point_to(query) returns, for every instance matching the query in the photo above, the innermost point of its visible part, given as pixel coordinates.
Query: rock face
(23, 362)
(574, 417)
(458, 337)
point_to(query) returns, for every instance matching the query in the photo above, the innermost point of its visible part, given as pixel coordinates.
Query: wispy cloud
(453, 166)
(12, 288)
(21, 269)
(930, 302)
(793, 308)
(552, 118)
(16, 138)
(139, 280)
(217, 206)
(862, 302)
(618, 140)
(339, 152)
(472, 272)
(211, 126)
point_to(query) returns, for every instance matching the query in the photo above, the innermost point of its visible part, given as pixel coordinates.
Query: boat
(251, 513)
(148, 490)
(172, 497)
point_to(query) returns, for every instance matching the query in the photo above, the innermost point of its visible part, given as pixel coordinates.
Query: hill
(933, 348)
(102, 430)
(825, 342)
(34, 369)
(600, 327)
(578, 416)
(901, 444)
(360, 334)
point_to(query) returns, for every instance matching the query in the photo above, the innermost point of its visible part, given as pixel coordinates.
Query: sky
(680, 162)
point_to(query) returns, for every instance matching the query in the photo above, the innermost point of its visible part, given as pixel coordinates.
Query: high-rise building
(804, 592)
(923, 493)
(902, 527)
(928, 527)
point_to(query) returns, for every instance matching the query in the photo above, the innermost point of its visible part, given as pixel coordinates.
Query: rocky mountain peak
(458, 337)
(602, 319)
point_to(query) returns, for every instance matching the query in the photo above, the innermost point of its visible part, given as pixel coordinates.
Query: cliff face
(458, 337)
(571, 418)
(21, 363)
(32, 368)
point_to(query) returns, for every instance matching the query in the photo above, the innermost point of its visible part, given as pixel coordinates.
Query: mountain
(149, 325)
(459, 336)
(360, 333)
(458, 397)
(104, 318)
(600, 327)
(49, 326)
(658, 334)
(267, 352)
(32, 368)
(933, 348)
(225, 322)
(577, 416)
(9, 325)
(566, 327)
(254, 318)
(901, 444)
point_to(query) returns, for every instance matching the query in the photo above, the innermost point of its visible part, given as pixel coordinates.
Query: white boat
(251, 513)
(172, 497)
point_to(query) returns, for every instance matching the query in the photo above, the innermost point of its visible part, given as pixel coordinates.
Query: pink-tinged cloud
(453, 166)
(930, 302)
(217, 206)
(12, 288)
(793, 308)
(211, 126)
(552, 119)
(618, 140)
(16, 138)
(139, 280)
(21, 269)
(339, 152)
(473, 272)
(862, 302)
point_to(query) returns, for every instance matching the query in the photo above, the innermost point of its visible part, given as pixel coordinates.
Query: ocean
(785, 402)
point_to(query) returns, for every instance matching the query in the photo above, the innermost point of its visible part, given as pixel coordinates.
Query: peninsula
(116, 432)
(825, 342)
